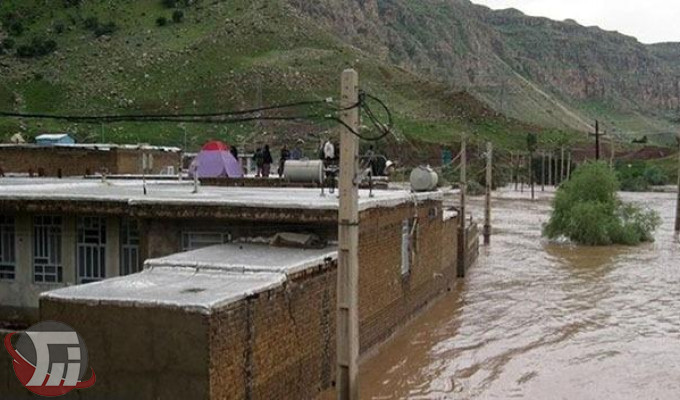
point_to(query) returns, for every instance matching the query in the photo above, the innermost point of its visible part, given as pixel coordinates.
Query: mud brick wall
(71, 161)
(129, 161)
(386, 297)
(137, 352)
(78, 161)
(279, 344)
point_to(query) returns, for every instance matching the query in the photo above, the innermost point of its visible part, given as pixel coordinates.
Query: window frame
(51, 249)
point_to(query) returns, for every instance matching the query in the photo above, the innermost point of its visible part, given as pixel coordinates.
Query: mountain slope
(554, 73)
(223, 55)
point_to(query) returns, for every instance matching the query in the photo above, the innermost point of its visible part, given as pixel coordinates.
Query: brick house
(247, 320)
(85, 159)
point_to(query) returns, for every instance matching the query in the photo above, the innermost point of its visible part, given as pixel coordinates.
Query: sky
(651, 21)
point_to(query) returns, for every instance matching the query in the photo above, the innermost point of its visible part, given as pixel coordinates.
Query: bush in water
(587, 210)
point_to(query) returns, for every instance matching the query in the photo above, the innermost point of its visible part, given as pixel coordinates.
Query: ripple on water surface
(545, 320)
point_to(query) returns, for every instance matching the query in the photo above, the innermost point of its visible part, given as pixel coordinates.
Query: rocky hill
(553, 73)
(443, 66)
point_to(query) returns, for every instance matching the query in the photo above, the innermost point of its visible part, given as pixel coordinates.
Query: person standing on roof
(267, 161)
(258, 157)
(285, 155)
(296, 153)
(328, 152)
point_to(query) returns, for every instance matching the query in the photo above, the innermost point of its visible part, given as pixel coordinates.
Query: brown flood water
(542, 320)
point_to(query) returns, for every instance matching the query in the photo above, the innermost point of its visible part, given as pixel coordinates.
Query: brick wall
(79, 161)
(71, 161)
(278, 344)
(129, 161)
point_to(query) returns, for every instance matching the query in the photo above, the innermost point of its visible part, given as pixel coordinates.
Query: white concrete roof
(200, 280)
(186, 288)
(247, 257)
(51, 136)
(93, 146)
(180, 193)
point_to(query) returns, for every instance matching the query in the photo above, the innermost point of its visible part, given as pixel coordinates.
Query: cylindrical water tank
(423, 179)
(304, 171)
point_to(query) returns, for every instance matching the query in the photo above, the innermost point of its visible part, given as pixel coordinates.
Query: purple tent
(216, 161)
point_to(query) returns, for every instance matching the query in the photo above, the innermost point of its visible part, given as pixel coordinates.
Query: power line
(238, 116)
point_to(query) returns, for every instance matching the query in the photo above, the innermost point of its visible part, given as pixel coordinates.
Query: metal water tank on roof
(304, 171)
(52, 139)
(423, 179)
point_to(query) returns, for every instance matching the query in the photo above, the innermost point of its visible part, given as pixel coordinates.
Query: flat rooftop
(131, 192)
(200, 280)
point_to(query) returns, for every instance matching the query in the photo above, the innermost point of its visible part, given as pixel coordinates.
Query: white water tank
(423, 179)
(304, 171)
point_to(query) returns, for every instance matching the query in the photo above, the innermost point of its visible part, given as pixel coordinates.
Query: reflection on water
(542, 320)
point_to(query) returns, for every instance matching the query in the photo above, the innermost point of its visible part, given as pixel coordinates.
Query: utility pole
(520, 173)
(487, 208)
(569, 165)
(348, 233)
(462, 237)
(611, 151)
(597, 140)
(542, 170)
(562, 167)
(515, 168)
(531, 175)
(677, 211)
(551, 161)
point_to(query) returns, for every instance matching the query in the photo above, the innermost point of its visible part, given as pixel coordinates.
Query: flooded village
(276, 199)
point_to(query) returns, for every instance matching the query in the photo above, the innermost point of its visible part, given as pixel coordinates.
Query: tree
(177, 16)
(587, 210)
(161, 21)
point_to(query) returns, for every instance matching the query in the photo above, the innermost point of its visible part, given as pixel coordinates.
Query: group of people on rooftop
(327, 153)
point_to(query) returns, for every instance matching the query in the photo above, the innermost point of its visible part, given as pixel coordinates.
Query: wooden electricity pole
(348, 233)
(611, 151)
(569, 165)
(542, 170)
(562, 165)
(597, 140)
(677, 211)
(551, 161)
(515, 168)
(520, 173)
(487, 208)
(462, 237)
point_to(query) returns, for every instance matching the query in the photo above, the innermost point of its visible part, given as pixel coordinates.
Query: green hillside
(126, 56)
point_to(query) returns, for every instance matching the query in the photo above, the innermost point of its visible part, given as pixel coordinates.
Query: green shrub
(587, 210)
(177, 16)
(91, 23)
(638, 176)
(38, 47)
(161, 21)
(105, 29)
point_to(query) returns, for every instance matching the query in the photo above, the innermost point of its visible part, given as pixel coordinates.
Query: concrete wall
(77, 161)
(19, 298)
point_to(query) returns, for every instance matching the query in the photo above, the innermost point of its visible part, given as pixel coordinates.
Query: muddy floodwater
(542, 320)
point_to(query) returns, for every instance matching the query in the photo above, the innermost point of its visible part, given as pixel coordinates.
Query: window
(7, 248)
(406, 247)
(129, 247)
(47, 267)
(197, 240)
(90, 249)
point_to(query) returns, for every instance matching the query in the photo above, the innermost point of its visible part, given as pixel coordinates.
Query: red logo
(50, 359)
